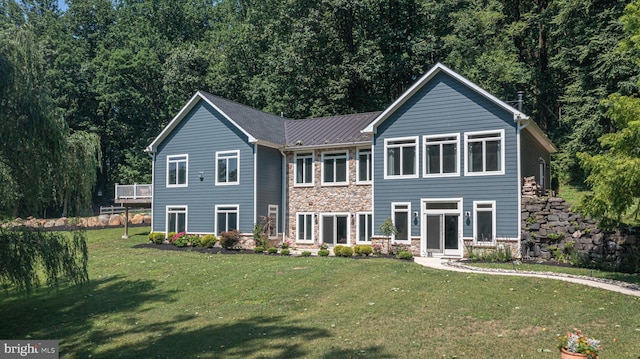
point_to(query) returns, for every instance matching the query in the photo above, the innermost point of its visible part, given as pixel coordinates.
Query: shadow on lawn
(105, 313)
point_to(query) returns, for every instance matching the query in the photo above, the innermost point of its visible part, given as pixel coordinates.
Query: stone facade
(319, 199)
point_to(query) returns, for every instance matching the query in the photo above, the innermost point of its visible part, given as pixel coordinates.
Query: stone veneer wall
(351, 198)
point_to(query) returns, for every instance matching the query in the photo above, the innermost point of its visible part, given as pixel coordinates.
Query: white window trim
(466, 153)
(358, 214)
(217, 210)
(295, 169)
(171, 159)
(237, 156)
(313, 223)
(393, 218)
(275, 222)
(424, 155)
(334, 215)
(416, 164)
(185, 210)
(475, 222)
(329, 184)
(370, 164)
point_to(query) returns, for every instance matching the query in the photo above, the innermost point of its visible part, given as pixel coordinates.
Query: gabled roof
(328, 131)
(257, 125)
(517, 115)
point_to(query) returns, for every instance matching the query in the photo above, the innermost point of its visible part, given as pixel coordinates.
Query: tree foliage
(27, 253)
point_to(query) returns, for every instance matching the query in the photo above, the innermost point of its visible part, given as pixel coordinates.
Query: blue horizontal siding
(201, 134)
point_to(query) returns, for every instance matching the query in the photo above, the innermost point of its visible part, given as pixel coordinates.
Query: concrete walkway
(607, 284)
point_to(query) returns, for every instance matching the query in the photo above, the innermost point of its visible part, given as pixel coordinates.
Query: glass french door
(441, 229)
(335, 229)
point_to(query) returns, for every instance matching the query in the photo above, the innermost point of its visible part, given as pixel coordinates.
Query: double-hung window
(401, 157)
(304, 169)
(176, 219)
(441, 155)
(485, 152)
(227, 163)
(334, 168)
(304, 226)
(226, 218)
(484, 225)
(365, 227)
(401, 218)
(364, 165)
(177, 170)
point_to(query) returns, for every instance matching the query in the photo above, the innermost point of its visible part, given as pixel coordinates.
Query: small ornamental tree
(388, 229)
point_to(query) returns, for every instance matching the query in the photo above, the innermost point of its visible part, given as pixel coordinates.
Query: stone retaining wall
(101, 221)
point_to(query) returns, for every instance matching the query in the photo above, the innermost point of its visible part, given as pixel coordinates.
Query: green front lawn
(146, 303)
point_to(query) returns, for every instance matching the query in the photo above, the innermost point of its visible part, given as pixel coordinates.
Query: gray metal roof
(261, 125)
(328, 131)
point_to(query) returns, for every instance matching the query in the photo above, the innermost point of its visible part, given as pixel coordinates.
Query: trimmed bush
(337, 250)
(404, 255)
(195, 240)
(272, 250)
(208, 241)
(306, 254)
(323, 253)
(285, 252)
(156, 237)
(346, 252)
(170, 235)
(258, 249)
(362, 250)
(230, 239)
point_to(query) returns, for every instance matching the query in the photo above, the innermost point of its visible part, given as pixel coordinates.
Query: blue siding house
(448, 166)
(445, 162)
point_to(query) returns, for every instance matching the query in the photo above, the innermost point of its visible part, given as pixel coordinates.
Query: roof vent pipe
(520, 100)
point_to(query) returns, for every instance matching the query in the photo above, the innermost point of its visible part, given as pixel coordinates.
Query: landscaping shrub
(337, 250)
(362, 250)
(323, 253)
(258, 249)
(170, 235)
(180, 239)
(346, 252)
(306, 254)
(272, 250)
(404, 255)
(195, 240)
(208, 241)
(156, 237)
(230, 239)
(285, 252)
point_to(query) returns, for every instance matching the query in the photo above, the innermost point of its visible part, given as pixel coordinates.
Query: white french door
(441, 228)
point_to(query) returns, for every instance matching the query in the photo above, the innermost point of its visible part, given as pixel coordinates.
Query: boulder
(115, 220)
(61, 222)
(137, 219)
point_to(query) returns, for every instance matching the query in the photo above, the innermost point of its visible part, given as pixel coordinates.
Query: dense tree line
(119, 70)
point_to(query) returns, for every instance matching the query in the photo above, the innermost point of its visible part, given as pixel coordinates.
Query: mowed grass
(147, 303)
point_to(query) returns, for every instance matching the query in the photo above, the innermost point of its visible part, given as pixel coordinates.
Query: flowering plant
(377, 249)
(578, 343)
(177, 235)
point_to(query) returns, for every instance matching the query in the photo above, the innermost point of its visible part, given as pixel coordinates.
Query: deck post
(126, 223)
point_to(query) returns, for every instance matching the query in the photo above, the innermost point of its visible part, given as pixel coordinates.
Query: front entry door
(441, 228)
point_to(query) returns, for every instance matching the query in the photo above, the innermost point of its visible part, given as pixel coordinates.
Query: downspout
(285, 207)
(521, 123)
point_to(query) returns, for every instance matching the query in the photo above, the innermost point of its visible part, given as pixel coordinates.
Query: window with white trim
(365, 227)
(484, 225)
(401, 157)
(272, 224)
(441, 155)
(304, 169)
(227, 164)
(364, 165)
(177, 170)
(304, 227)
(334, 168)
(226, 218)
(401, 220)
(176, 219)
(485, 152)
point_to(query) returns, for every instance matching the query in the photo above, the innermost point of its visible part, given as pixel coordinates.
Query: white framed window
(304, 169)
(227, 168)
(401, 215)
(226, 218)
(440, 155)
(273, 221)
(176, 219)
(304, 227)
(177, 170)
(335, 169)
(401, 157)
(484, 153)
(365, 227)
(365, 167)
(484, 224)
